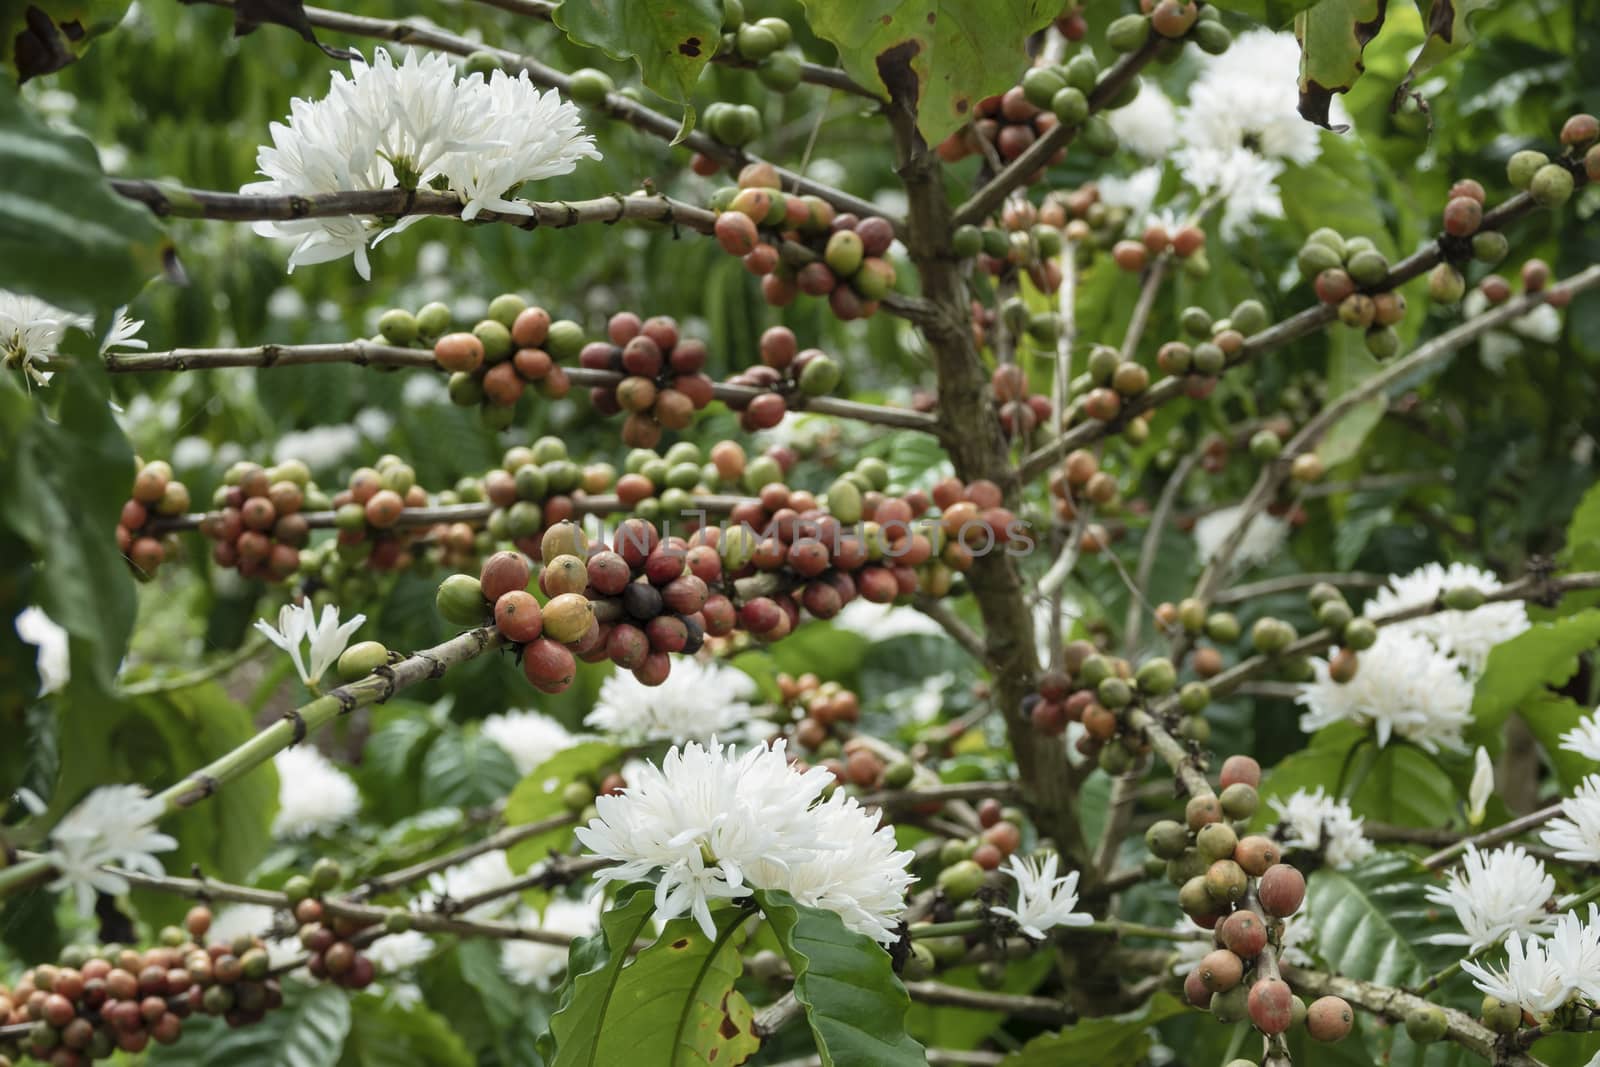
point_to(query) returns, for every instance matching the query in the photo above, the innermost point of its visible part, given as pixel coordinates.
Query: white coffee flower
(54, 662)
(1466, 635)
(535, 135)
(1531, 978)
(1576, 834)
(255, 920)
(528, 737)
(1405, 687)
(1316, 822)
(31, 331)
(1043, 900)
(538, 963)
(1495, 894)
(115, 824)
(1574, 947)
(1136, 192)
(1250, 99)
(1149, 125)
(1298, 937)
(713, 825)
(319, 447)
(298, 623)
(124, 333)
(1263, 538)
(314, 796)
(698, 700)
(393, 953)
(1482, 786)
(1244, 182)
(1584, 738)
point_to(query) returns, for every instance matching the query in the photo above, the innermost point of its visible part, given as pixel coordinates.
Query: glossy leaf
(672, 40)
(538, 796)
(1333, 34)
(465, 770)
(1107, 1041)
(64, 234)
(1371, 922)
(1396, 784)
(1544, 655)
(1272, 12)
(949, 53)
(845, 981)
(42, 37)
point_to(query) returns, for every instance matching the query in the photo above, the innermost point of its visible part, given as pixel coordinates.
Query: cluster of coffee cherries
(763, 42)
(1186, 242)
(1171, 21)
(96, 1002)
(1208, 345)
(661, 386)
(1347, 273)
(258, 526)
(1218, 874)
(1021, 411)
(367, 513)
(333, 955)
(1109, 380)
(1535, 275)
(1000, 836)
(818, 711)
(514, 347)
(1027, 239)
(1009, 124)
(633, 604)
(533, 489)
(156, 494)
(784, 369)
(1080, 479)
(1097, 690)
(798, 244)
(1551, 182)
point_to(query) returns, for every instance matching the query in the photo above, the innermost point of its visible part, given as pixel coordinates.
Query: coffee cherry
(1243, 933)
(460, 600)
(1215, 841)
(1580, 130)
(1201, 810)
(1195, 899)
(1257, 854)
(358, 661)
(1226, 882)
(1552, 186)
(1195, 991)
(1445, 284)
(461, 352)
(1359, 634)
(517, 616)
(1220, 970)
(1426, 1024)
(960, 881)
(1282, 889)
(1329, 1019)
(1501, 1017)
(549, 665)
(326, 873)
(1522, 166)
(1166, 839)
(1239, 801)
(1462, 216)
(1271, 1005)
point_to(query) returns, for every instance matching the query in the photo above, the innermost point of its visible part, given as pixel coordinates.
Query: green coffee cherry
(1167, 839)
(360, 660)
(398, 326)
(1156, 676)
(1462, 598)
(1127, 33)
(1359, 634)
(961, 881)
(1223, 627)
(1239, 801)
(1194, 697)
(1522, 166)
(326, 873)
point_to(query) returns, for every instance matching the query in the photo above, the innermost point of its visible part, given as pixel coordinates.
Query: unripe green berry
(1426, 1024)
(1156, 676)
(1359, 634)
(1194, 898)
(1094, 670)
(360, 660)
(1232, 1006)
(1334, 614)
(1271, 636)
(298, 888)
(1216, 841)
(1323, 592)
(1552, 186)
(326, 873)
(1223, 627)
(1167, 839)
(1127, 33)
(1462, 598)
(1070, 105)
(1501, 1017)
(1194, 728)
(1383, 342)
(1114, 692)
(960, 881)
(1315, 257)
(397, 922)
(1239, 801)
(1192, 614)
(398, 326)
(1196, 321)
(1194, 697)
(1522, 166)
(1265, 445)
(1490, 246)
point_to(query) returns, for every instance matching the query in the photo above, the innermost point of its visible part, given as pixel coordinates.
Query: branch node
(347, 700)
(299, 721)
(392, 683)
(436, 666)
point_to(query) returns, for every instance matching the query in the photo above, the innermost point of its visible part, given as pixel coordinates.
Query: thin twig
(1152, 542)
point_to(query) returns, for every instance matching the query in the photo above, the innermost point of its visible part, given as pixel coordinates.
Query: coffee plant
(543, 533)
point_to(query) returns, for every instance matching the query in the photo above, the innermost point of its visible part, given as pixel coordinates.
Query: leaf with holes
(1333, 34)
(1372, 922)
(672, 40)
(946, 54)
(538, 797)
(1449, 27)
(846, 983)
(673, 1006)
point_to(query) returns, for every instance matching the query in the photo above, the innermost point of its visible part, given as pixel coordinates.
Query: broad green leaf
(1272, 12)
(956, 51)
(465, 770)
(1546, 654)
(42, 36)
(538, 797)
(65, 235)
(1333, 34)
(673, 1006)
(1449, 25)
(949, 1027)
(1396, 784)
(1548, 717)
(1349, 364)
(1583, 531)
(845, 981)
(1371, 922)
(65, 480)
(1107, 1041)
(308, 1031)
(594, 963)
(672, 40)
(385, 1033)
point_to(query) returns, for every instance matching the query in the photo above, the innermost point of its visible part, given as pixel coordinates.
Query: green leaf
(1107, 1041)
(845, 981)
(538, 796)
(1271, 12)
(64, 234)
(1400, 783)
(308, 1031)
(1349, 364)
(384, 1033)
(949, 1027)
(952, 53)
(465, 770)
(1333, 34)
(672, 40)
(1371, 922)
(1449, 26)
(1546, 654)
(1583, 530)
(43, 36)
(1548, 717)
(673, 1005)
